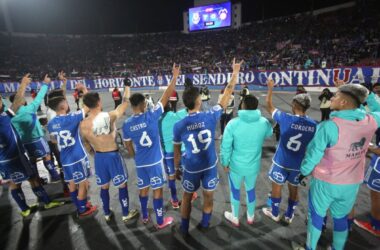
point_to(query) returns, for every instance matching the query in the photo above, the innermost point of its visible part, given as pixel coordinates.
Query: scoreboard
(210, 16)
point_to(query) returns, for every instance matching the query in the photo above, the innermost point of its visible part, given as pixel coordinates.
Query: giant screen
(210, 16)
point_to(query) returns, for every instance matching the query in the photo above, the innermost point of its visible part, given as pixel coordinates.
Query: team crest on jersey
(212, 183)
(118, 179)
(77, 175)
(139, 181)
(376, 183)
(278, 176)
(188, 185)
(98, 180)
(155, 180)
(17, 176)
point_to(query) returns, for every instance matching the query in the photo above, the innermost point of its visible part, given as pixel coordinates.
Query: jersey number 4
(145, 140)
(293, 144)
(204, 137)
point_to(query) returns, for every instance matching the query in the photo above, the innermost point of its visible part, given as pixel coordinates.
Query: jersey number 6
(293, 144)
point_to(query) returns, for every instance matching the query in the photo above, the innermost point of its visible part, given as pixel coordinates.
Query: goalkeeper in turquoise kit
(241, 150)
(31, 133)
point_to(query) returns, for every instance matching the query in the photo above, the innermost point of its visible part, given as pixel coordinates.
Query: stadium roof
(127, 16)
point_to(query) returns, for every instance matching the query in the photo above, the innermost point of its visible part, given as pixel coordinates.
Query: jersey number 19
(204, 137)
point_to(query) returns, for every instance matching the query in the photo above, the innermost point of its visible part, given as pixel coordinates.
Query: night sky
(130, 16)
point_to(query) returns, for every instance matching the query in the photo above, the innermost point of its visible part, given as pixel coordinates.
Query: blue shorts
(17, 169)
(372, 177)
(37, 148)
(110, 166)
(169, 164)
(209, 178)
(152, 176)
(280, 175)
(78, 171)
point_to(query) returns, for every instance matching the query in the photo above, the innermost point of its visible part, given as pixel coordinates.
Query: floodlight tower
(4, 12)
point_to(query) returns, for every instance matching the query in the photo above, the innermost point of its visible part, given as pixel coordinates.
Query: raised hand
(26, 79)
(176, 70)
(47, 79)
(339, 83)
(270, 83)
(62, 76)
(236, 66)
(80, 86)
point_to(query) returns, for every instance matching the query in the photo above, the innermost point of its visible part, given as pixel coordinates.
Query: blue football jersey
(295, 134)
(143, 130)
(375, 159)
(65, 129)
(197, 132)
(10, 142)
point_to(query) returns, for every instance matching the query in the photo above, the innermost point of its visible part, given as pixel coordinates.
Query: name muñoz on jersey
(143, 130)
(295, 134)
(197, 132)
(65, 129)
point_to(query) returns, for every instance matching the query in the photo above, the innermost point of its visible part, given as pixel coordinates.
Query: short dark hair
(91, 99)
(12, 98)
(250, 102)
(189, 97)
(43, 121)
(55, 93)
(55, 102)
(136, 99)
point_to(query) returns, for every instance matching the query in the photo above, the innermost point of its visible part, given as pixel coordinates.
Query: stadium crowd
(341, 38)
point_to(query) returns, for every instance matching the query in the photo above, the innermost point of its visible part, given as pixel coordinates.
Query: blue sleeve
(33, 106)
(157, 111)
(216, 112)
(373, 102)
(226, 147)
(126, 135)
(176, 134)
(77, 117)
(325, 136)
(279, 116)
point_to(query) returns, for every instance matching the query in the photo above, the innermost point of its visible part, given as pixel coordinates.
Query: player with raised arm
(31, 133)
(142, 140)
(14, 162)
(297, 130)
(99, 130)
(197, 132)
(64, 130)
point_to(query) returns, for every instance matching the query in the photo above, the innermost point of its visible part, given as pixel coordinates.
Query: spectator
(173, 99)
(205, 97)
(116, 96)
(228, 112)
(325, 104)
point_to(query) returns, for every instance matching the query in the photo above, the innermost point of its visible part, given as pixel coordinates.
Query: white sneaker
(268, 212)
(250, 219)
(108, 216)
(231, 218)
(288, 220)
